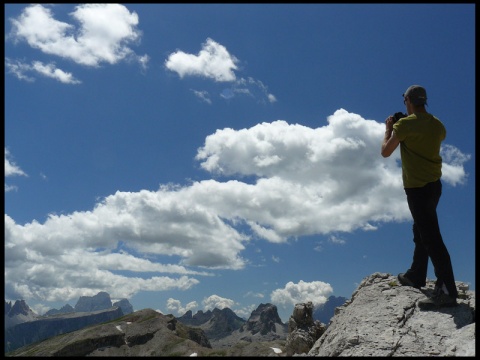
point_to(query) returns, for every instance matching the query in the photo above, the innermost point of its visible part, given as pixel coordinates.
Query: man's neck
(418, 109)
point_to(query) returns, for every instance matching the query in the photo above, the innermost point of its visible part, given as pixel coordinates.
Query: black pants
(428, 239)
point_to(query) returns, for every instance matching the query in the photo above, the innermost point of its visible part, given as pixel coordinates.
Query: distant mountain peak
(19, 308)
(263, 320)
(215, 323)
(18, 313)
(92, 303)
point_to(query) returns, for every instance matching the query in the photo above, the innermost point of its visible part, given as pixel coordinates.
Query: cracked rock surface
(382, 319)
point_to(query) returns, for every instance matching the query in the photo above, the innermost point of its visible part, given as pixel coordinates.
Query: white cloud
(336, 240)
(51, 71)
(143, 61)
(316, 291)
(203, 95)
(252, 86)
(215, 301)
(11, 169)
(213, 61)
(175, 307)
(104, 34)
(324, 180)
(216, 63)
(20, 69)
(10, 188)
(256, 295)
(272, 98)
(453, 160)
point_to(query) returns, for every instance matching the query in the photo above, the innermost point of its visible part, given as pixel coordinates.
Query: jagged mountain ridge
(18, 313)
(263, 326)
(63, 310)
(23, 326)
(216, 323)
(225, 329)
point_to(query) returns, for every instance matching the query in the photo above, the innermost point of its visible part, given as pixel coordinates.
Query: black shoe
(405, 281)
(440, 299)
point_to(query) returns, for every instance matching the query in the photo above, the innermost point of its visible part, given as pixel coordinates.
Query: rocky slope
(382, 319)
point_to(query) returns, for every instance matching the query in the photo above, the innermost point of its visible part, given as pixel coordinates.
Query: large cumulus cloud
(283, 181)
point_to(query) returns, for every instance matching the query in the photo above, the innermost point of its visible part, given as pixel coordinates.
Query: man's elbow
(387, 151)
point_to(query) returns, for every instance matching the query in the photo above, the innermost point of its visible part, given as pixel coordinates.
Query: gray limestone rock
(382, 319)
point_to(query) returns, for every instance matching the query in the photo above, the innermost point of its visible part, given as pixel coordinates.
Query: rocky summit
(382, 319)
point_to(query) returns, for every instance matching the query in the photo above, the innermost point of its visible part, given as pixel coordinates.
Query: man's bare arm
(390, 141)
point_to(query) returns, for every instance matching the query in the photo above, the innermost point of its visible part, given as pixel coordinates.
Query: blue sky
(188, 157)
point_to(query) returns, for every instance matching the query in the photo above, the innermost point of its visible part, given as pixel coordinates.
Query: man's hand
(389, 123)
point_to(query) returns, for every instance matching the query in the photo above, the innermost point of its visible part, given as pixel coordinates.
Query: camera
(398, 115)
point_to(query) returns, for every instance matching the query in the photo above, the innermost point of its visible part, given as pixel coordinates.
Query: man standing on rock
(420, 135)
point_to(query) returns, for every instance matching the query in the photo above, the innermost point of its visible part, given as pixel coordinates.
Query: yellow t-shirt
(420, 137)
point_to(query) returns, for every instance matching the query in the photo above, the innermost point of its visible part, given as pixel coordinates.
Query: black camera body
(398, 115)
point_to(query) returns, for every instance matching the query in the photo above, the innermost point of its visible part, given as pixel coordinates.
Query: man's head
(416, 94)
